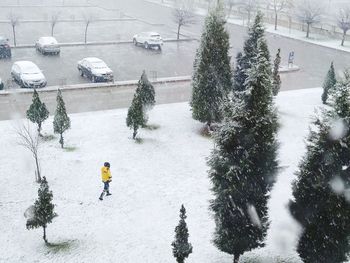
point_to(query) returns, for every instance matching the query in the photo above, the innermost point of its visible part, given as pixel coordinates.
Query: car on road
(27, 75)
(5, 49)
(148, 40)
(95, 69)
(48, 45)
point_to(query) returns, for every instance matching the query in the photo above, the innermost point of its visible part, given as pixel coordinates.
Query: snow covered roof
(150, 33)
(26, 65)
(48, 40)
(93, 60)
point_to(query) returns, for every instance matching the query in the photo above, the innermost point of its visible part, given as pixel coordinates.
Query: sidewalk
(315, 39)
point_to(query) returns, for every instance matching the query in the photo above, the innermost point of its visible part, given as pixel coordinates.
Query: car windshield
(98, 65)
(155, 36)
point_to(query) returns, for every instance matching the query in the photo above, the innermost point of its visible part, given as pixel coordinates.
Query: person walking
(106, 179)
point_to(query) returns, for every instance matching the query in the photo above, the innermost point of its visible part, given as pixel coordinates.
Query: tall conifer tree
(43, 211)
(212, 77)
(244, 163)
(321, 201)
(61, 121)
(136, 117)
(37, 112)
(329, 83)
(181, 247)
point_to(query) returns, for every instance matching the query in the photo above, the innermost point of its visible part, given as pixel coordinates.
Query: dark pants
(105, 189)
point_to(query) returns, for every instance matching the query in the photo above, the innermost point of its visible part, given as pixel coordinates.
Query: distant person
(106, 179)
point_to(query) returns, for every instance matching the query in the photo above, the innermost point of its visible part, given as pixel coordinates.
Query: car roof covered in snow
(93, 60)
(151, 33)
(26, 65)
(3, 40)
(48, 40)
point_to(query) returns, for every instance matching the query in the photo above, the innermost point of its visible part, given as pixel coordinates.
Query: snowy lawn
(150, 182)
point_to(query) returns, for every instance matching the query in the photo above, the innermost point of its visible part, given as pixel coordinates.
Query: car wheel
(81, 73)
(146, 45)
(134, 41)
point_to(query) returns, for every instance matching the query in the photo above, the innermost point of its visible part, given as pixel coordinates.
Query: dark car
(95, 69)
(5, 49)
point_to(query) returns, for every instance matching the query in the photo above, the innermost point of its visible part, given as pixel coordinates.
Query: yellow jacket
(106, 174)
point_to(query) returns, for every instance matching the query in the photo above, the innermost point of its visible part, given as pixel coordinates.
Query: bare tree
(278, 6)
(88, 18)
(344, 22)
(229, 4)
(29, 138)
(53, 21)
(183, 14)
(249, 6)
(14, 21)
(309, 12)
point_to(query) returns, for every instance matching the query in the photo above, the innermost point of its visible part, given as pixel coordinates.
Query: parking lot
(126, 60)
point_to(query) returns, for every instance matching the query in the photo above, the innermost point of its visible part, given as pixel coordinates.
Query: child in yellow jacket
(106, 179)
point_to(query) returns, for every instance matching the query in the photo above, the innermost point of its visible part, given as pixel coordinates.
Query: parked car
(48, 45)
(1, 85)
(5, 49)
(28, 75)
(95, 69)
(148, 40)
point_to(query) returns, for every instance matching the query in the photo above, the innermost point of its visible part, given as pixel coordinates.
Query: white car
(28, 75)
(95, 69)
(148, 40)
(48, 45)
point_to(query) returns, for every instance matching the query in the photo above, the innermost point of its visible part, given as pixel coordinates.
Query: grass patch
(70, 148)
(151, 127)
(60, 247)
(139, 140)
(47, 138)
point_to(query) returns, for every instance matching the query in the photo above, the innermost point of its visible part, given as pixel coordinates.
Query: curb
(87, 86)
(74, 44)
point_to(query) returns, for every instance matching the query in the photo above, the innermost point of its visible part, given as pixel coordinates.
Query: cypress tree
(243, 164)
(61, 121)
(43, 211)
(256, 33)
(239, 75)
(212, 77)
(321, 192)
(146, 91)
(181, 247)
(276, 83)
(37, 112)
(329, 83)
(136, 118)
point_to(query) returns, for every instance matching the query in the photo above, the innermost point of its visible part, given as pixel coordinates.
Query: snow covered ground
(150, 182)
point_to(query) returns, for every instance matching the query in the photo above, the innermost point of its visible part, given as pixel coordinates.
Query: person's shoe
(101, 198)
(108, 194)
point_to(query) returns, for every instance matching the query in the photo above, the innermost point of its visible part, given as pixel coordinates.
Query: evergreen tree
(43, 211)
(239, 75)
(256, 33)
(320, 202)
(212, 77)
(136, 117)
(181, 248)
(61, 121)
(329, 83)
(146, 91)
(243, 164)
(276, 83)
(37, 112)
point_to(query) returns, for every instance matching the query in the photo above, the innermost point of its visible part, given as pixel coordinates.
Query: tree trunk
(86, 29)
(39, 129)
(61, 140)
(52, 27)
(37, 169)
(178, 31)
(343, 39)
(276, 20)
(44, 236)
(14, 36)
(236, 258)
(134, 133)
(308, 30)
